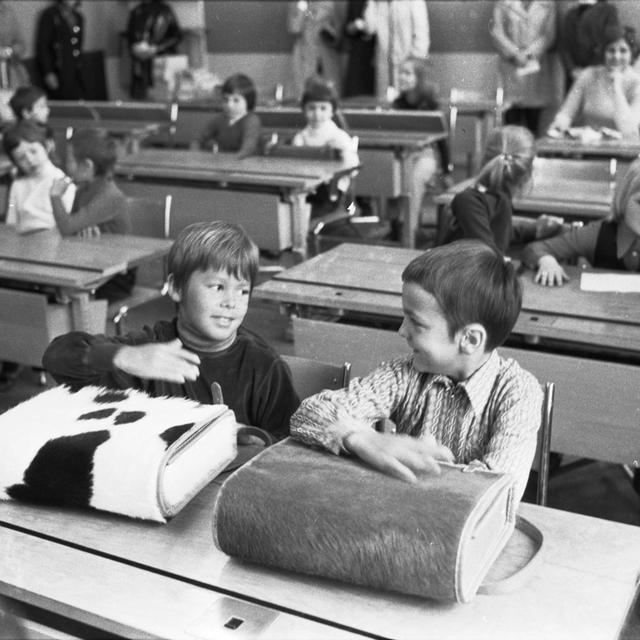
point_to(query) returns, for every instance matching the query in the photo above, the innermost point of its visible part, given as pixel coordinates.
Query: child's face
(425, 329)
(30, 157)
(213, 306)
(235, 105)
(318, 113)
(407, 77)
(39, 111)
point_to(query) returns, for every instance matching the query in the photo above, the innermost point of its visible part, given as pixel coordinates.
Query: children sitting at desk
(454, 398)
(613, 243)
(29, 205)
(607, 95)
(237, 128)
(484, 210)
(212, 267)
(99, 206)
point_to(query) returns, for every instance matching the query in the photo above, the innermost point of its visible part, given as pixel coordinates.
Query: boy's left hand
(59, 186)
(398, 455)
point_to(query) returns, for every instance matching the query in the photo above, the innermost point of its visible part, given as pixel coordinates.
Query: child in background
(485, 210)
(418, 93)
(30, 103)
(29, 204)
(454, 398)
(237, 128)
(613, 243)
(320, 107)
(99, 206)
(212, 268)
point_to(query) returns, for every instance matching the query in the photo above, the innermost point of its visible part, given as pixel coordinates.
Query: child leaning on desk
(613, 243)
(212, 268)
(237, 128)
(484, 210)
(98, 206)
(454, 397)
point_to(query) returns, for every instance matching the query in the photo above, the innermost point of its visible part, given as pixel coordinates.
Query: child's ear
(473, 339)
(90, 166)
(174, 292)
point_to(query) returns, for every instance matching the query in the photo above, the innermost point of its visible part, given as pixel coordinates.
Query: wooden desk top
(367, 279)
(582, 587)
(621, 149)
(78, 263)
(226, 168)
(575, 198)
(116, 128)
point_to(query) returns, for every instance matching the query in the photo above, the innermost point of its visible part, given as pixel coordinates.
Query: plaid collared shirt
(490, 419)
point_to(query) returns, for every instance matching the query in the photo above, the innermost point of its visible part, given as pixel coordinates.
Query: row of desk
(137, 579)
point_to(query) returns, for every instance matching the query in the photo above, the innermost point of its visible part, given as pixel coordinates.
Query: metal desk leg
(300, 221)
(86, 314)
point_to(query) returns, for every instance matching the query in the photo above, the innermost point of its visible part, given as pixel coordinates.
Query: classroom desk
(559, 147)
(70, 268)
(266, 195)
(388, 143)
(581, 588)
(586, 342)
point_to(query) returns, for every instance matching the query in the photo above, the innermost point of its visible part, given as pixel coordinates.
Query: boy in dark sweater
(212, 267)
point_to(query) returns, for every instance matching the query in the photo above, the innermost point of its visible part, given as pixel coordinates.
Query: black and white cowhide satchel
(299, 509)
(115, 450)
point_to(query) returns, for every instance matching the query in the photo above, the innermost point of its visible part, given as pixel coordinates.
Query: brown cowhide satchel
(299, 509)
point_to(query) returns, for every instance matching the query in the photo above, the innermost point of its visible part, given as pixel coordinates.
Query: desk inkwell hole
(233, 623)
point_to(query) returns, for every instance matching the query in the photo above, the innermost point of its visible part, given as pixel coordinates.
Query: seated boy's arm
(250, 136)
(80, 359)
(274, 401)
(515, 428)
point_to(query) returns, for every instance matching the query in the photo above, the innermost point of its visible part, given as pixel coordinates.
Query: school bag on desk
(299, 509)
(116, 450)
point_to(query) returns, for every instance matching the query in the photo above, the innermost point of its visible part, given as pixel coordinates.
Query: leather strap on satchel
(520, 573)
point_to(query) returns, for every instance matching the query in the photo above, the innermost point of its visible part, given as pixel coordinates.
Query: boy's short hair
(242, 84)
(97, 146)
(319, 90)
(218, 245)
(23, 131)
(472, 283)
(24, 98)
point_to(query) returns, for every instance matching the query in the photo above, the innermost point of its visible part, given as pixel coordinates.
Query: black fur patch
(61, 471)
(111, 395)
(97, 415)
(171, 434)
(126, 417)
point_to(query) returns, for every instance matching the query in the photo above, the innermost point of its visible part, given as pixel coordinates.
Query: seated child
(237, 128)
(613, 243)
(320, 108)
(99, 206)
(29, 205)
(485, 209)
(454, 398)
(418, 93)
(30, 103)
(212, 267)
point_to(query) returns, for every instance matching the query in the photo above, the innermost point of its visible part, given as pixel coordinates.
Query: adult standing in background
(523, 32)
(59, 38)
(401, 28)
(13, 73)
(153, 30)
(360, 48)
(316, 27)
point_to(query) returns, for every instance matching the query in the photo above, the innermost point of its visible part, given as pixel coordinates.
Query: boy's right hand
(168, 361)
(550, 273)
(59, 186)
(397, 455)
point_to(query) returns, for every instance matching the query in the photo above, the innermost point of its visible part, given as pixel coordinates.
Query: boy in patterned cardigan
(454, 398)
